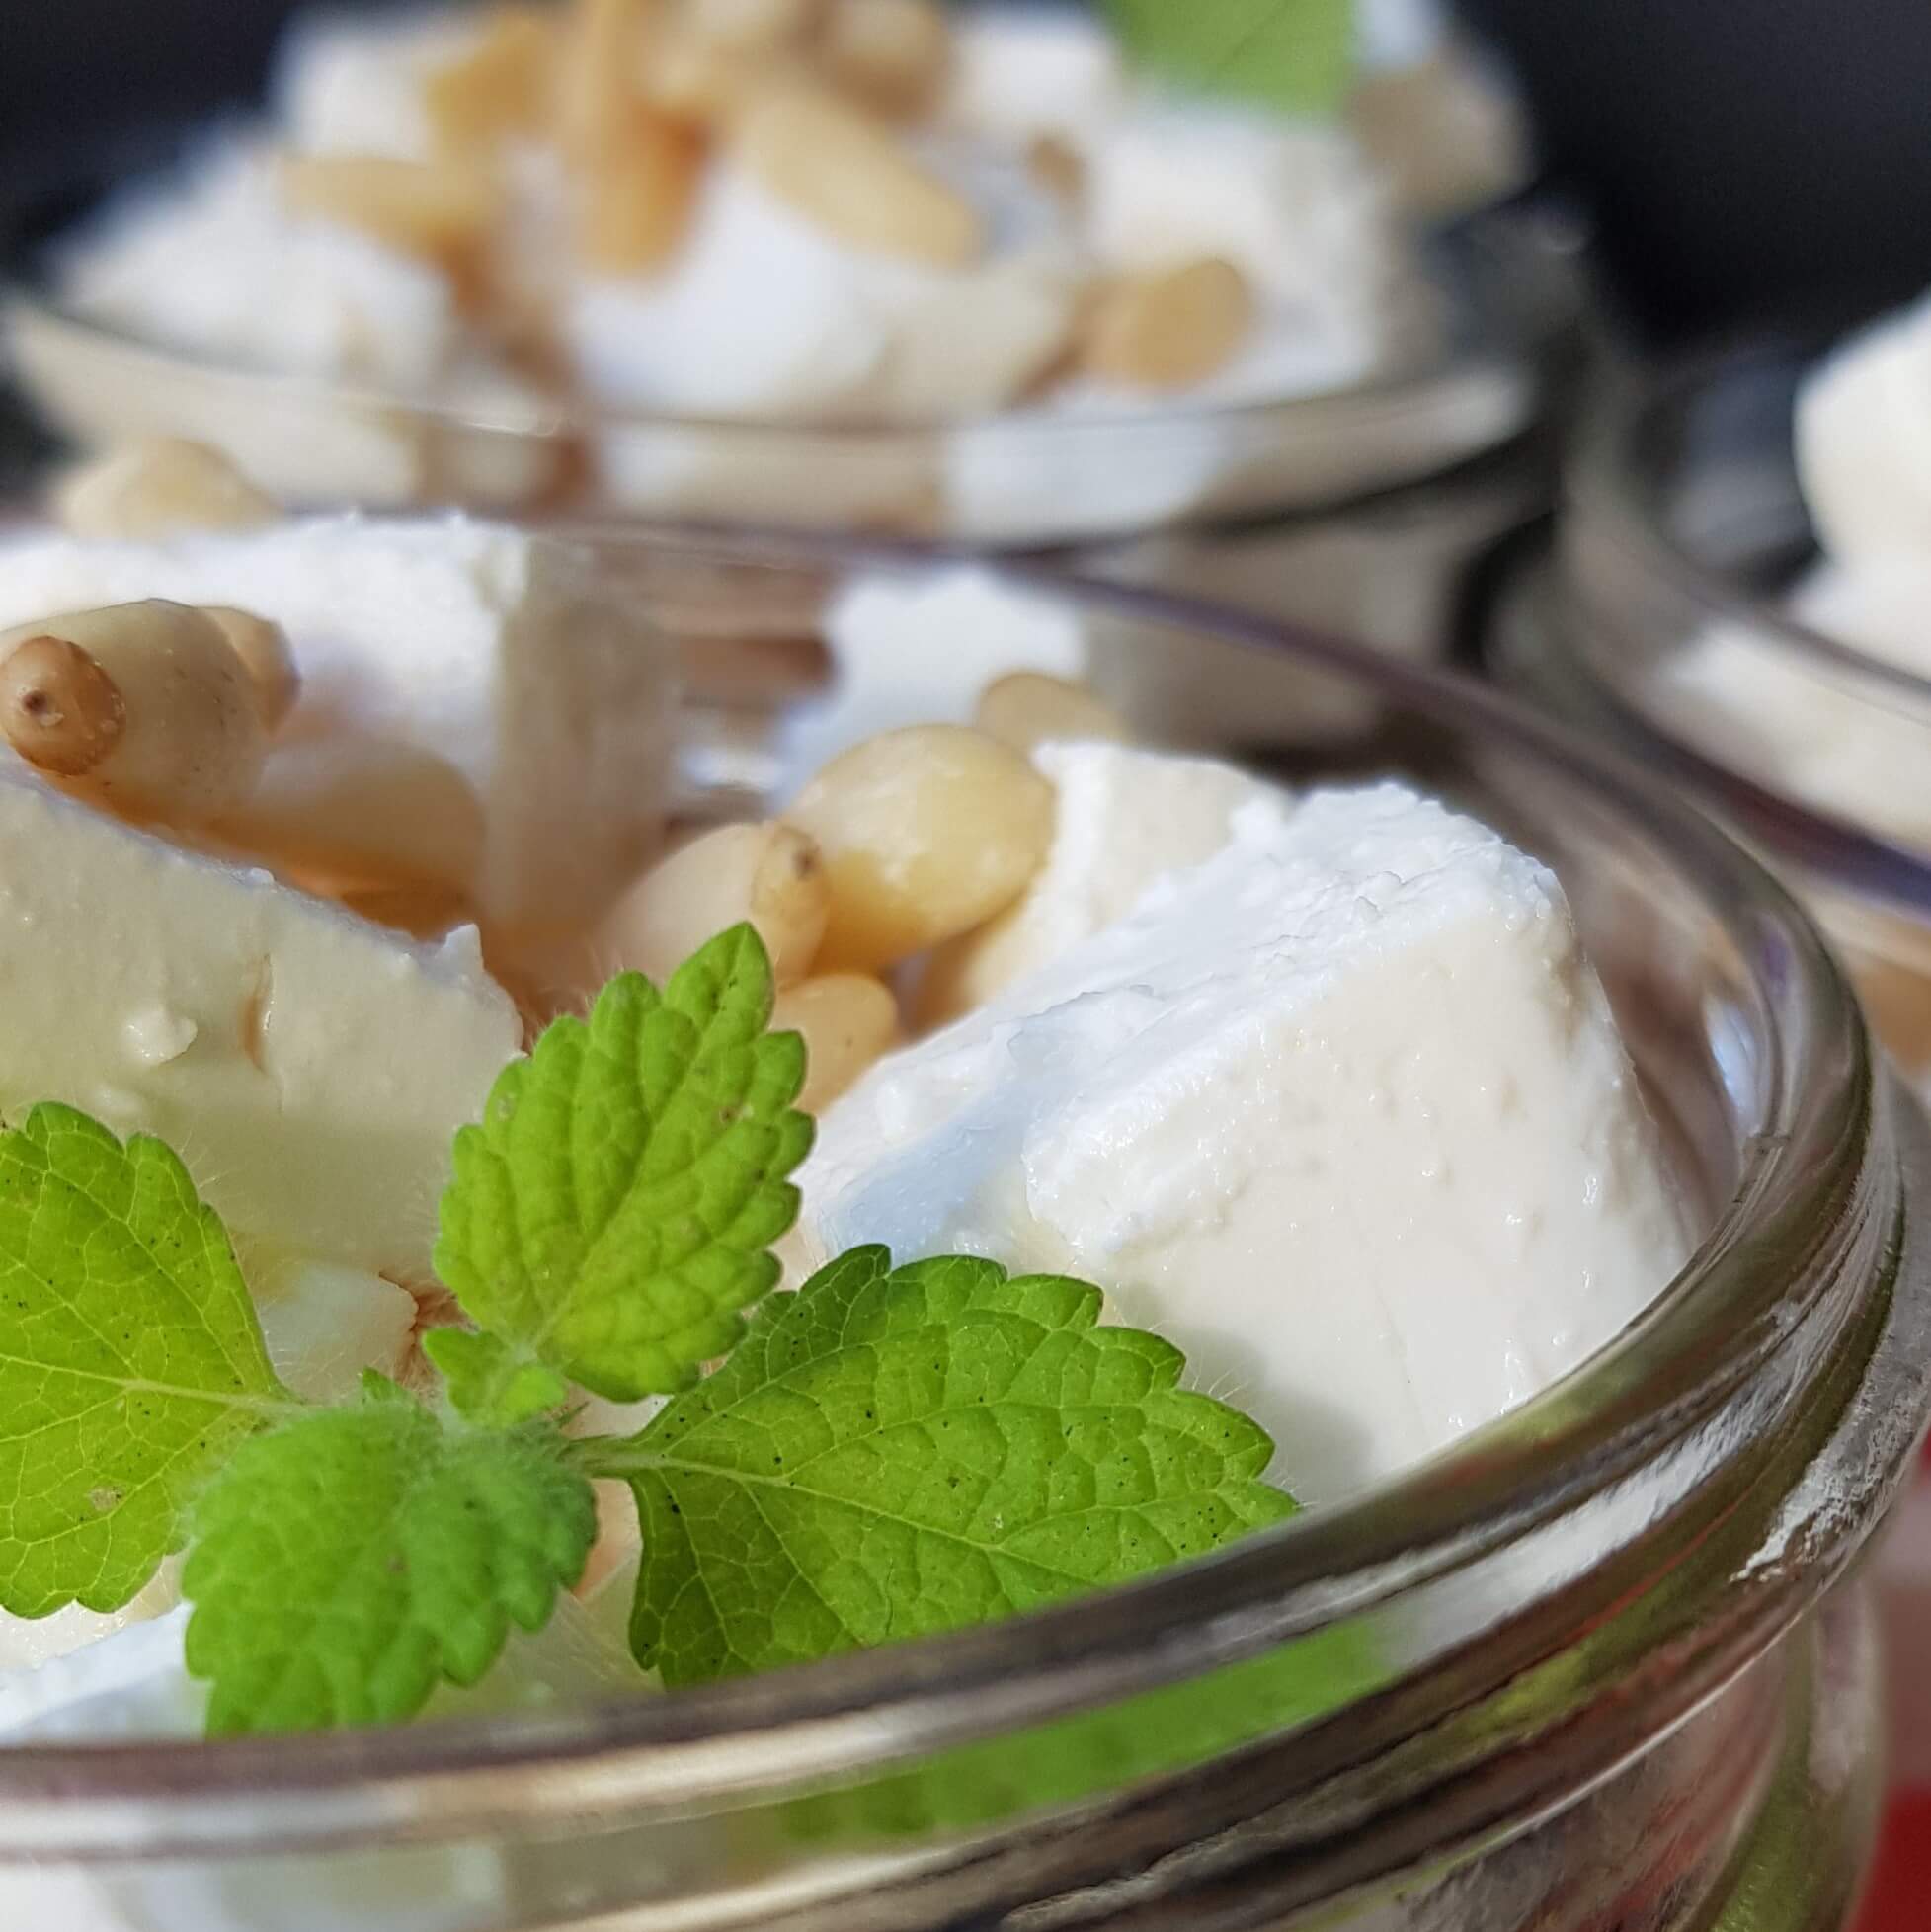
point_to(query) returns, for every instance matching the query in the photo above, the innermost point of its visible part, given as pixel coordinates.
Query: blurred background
(1745, 160)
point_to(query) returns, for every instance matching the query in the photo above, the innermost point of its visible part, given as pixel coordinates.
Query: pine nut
(188, 741)
(59, 710)
(441, 211)
(638, 196)
(770, 875)
(1056, 165)
(1170, 330)
(1026, 708)
(753, 26)
(157, 489)
(891, 55)
(847, 1020)
(263, 648)
(498, 86)
(349, 811)
(926, 832)
(829, 164)
(603, 44)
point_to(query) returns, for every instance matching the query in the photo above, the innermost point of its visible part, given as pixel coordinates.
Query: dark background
(1745, 159)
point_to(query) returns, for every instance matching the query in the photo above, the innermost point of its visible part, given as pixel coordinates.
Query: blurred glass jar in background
(1688, 618)
(1331, 426)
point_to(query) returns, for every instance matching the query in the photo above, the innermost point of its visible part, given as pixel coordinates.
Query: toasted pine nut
(1026, 708)
(441, 210)
(190, 742)
(847, 1020)
(352, 811)
(770, 875)
(637, 198)
(596, 69)
(1172, 329)
(925, 832)
(753, 26)
(497, 87)
(1057, 165)
(58, 709)
(156, 489)
(263, 648)
(889, 54)
(829, 164)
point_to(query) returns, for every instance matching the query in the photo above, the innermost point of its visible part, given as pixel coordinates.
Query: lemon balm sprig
(888, 1453)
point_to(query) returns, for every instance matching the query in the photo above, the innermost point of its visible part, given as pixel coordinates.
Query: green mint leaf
(346, 1563)
(1297, 55)
(487, 1384)
(613, 1214)
(130, 1360)
(893, 1453)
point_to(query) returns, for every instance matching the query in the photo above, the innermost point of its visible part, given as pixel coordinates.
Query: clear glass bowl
(1618, 1680)
(1503, 281)
(1684, 527)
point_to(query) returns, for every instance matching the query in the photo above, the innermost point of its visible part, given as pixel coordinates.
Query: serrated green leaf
(487, 1384)
(890, 1454)
(613, 1214)
(345, 1565)
(1297, 55)
(130, 1360)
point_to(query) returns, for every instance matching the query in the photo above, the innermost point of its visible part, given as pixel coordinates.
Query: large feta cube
(472, 643)
(309, 1068)
(1342, 1112)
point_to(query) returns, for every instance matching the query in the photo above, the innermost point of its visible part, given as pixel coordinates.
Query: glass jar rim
(1424, 386)
(1728, 1311)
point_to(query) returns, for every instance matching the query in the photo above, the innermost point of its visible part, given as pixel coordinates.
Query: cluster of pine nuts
(912, 840)
(816, 99)
(904, 849)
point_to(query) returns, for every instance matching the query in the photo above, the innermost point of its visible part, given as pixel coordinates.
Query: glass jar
(1663, 623)
(1365, 507)
(1602, 1667)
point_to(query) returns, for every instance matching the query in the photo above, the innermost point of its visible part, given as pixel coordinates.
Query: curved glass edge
(1023, 480)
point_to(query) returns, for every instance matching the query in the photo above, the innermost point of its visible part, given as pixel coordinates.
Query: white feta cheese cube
(471, 643)
(1342, 1112)
(758, 313)
(309, 1068)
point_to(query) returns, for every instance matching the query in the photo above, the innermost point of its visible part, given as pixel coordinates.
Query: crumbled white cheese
(1021, 74)
(1862, 443)
(1293, 205)
(215, 264)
